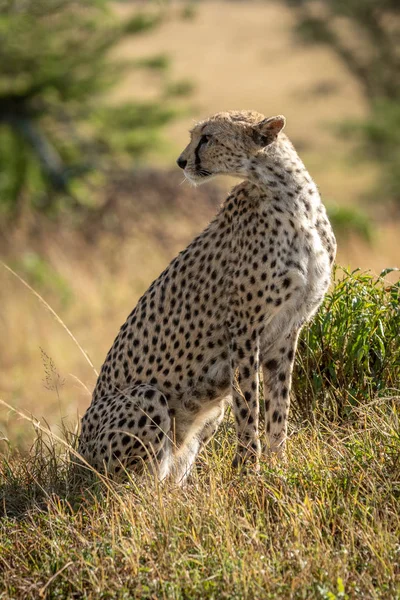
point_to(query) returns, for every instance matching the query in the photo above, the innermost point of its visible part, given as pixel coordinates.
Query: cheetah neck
(281, 174)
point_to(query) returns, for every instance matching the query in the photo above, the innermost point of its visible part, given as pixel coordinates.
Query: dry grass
(326, 525)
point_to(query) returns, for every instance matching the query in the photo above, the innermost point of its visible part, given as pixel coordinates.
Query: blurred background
(96, 98)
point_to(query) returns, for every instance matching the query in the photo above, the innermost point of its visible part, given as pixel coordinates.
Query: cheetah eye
(204, 139)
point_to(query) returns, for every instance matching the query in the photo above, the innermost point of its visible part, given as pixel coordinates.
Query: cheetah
(226, 308)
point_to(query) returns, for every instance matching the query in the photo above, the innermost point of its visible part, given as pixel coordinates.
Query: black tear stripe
(197, 160)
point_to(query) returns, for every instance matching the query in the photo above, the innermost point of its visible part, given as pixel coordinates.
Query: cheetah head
(227, 142)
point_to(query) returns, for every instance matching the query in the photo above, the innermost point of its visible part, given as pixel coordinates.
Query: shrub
(351, 351)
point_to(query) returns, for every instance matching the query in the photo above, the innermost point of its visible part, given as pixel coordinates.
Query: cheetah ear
(267, 130)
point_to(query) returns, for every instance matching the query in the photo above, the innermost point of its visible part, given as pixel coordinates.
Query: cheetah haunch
(232, 302)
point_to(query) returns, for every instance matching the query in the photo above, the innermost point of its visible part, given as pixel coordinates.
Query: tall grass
(325, 524)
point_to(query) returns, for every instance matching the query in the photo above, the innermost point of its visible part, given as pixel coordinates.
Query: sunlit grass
(324, 525)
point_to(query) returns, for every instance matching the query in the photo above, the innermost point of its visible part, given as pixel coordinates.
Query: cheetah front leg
(245, 395)
(212, 423)
(200, 434)
(277, 365)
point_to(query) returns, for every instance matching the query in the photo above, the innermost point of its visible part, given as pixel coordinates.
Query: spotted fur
(227, 307)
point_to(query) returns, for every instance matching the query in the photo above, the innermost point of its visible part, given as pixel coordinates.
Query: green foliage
(347, 219)
(365, 34)
(128, 130)
(182, 87)
(374, 60)
(379, 137)
(351, 350)
(57, 124)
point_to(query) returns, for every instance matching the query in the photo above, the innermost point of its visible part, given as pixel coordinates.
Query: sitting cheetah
(232, 302)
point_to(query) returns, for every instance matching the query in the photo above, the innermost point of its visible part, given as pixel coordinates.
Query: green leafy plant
(351, 350)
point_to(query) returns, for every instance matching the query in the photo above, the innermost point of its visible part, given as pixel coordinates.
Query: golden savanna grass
(324, 525)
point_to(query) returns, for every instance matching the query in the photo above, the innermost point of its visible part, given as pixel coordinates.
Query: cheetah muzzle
(232, 303)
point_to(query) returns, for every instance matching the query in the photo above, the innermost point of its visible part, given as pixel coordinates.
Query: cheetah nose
(181, 162)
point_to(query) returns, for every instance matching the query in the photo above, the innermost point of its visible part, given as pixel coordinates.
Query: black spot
(142, 421)
(156, 421)
(159, 437)
(271, 364)
(243, 413)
